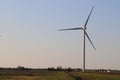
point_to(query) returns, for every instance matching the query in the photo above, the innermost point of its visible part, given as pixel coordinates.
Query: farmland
(95, 76)
(33, 75)
(55, 75)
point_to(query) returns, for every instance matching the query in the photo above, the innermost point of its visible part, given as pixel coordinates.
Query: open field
(55, 75)
(34, 75)
(95, 76)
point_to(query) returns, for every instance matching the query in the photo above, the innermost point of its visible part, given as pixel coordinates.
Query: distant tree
(69, 69)
(20, 68)
(59, 68)
(51, 69)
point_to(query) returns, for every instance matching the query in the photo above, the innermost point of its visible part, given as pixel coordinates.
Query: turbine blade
(72, 29)
(90, 40)
(88, 17)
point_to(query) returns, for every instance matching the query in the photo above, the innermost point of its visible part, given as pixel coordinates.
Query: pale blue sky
(30, 36)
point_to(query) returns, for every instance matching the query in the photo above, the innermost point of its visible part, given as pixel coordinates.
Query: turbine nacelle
(84, 28)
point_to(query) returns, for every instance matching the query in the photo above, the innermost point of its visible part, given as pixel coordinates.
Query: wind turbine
(84, 36)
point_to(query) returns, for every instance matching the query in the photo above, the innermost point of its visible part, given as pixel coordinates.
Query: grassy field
(36, 75)
(95, 76)
(55, 75)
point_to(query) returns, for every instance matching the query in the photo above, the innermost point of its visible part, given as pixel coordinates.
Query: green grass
(59, 76)
(96, 76)
(52, 76)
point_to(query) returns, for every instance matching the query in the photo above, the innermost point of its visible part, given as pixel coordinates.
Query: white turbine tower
(84, 36)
